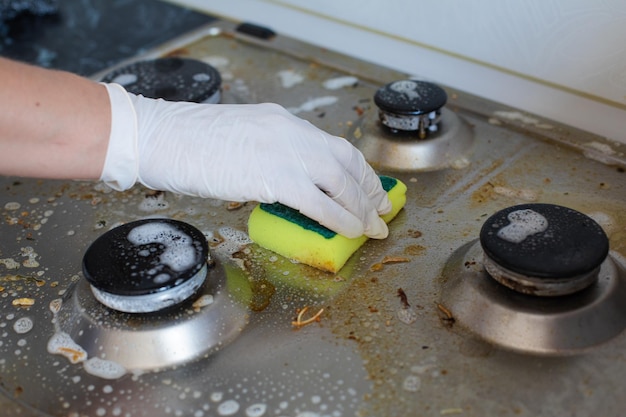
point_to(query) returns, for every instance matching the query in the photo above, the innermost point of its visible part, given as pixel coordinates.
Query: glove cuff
(121, 166)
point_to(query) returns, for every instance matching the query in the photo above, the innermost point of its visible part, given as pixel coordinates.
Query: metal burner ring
(526, 284)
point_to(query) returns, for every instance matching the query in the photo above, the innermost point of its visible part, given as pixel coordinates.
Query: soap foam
(202, 77)
(406, 87)
(233, 241)
(62, 344)
(524, 223)
(314, 104)
(103, 368)
(256, 410)
(125, 79)
(228, 408)
(289, 78)
(23, 325)
(154, 203)
(179, 253)
(340, 82)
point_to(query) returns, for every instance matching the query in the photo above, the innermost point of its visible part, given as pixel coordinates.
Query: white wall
(564, 59)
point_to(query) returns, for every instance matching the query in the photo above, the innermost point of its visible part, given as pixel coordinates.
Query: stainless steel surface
(529, 324)
(137, 342)
(370, 354)
(449, 147)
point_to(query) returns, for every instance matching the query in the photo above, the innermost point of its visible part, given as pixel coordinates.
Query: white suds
(103, 368)
(340, 82)
(290, 78)
(314, 104)
(62, 344)
(179, 253)
(524, 223)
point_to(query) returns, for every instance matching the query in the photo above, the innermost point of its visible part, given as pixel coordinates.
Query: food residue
(405, 314)
(403, 298)
(23, 302)
(447, 316)
(9, 263)
(298, 322)
(234, 205)
(378, 266)
(203, 301)
(394, 259)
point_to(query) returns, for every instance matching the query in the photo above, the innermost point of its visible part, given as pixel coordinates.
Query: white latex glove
(243, 152)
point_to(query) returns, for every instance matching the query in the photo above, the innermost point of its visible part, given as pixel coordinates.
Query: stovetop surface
(362, 357)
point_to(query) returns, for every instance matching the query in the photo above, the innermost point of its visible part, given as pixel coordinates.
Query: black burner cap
(544, 241)
(410, 97)
(145, 257)
(173, 79)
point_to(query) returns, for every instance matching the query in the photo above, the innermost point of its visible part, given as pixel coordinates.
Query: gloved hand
(243, 152)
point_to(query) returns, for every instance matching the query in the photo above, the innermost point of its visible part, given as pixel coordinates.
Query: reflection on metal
(159, 340)
(562, 325)
(448, 147)
(526, 284)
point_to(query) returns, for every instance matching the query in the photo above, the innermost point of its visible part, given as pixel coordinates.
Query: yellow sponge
(289, 233)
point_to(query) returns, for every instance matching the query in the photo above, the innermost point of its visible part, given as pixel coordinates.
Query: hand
(249, 152)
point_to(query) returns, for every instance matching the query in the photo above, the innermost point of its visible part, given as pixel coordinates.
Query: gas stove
(459, 312)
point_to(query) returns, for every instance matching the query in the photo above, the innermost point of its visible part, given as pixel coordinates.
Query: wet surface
(375, 350)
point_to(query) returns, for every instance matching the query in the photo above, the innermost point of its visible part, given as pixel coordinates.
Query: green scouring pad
(291, 234)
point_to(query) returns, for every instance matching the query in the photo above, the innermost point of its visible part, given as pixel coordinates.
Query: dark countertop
(87, 36)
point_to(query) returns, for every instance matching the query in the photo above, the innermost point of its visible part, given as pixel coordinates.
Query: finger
(357, 167)
(356, 202)
(344, 190)
(316, 205)
(352, 197)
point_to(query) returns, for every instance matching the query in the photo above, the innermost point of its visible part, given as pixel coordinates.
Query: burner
(411, 106)
(414, 132)
(543, 249)
(173, 79)
(540, 280)
(146, 265)
(157, 303)
(197, 327)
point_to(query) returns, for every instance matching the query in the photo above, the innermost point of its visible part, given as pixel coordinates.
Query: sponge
(291, 234)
